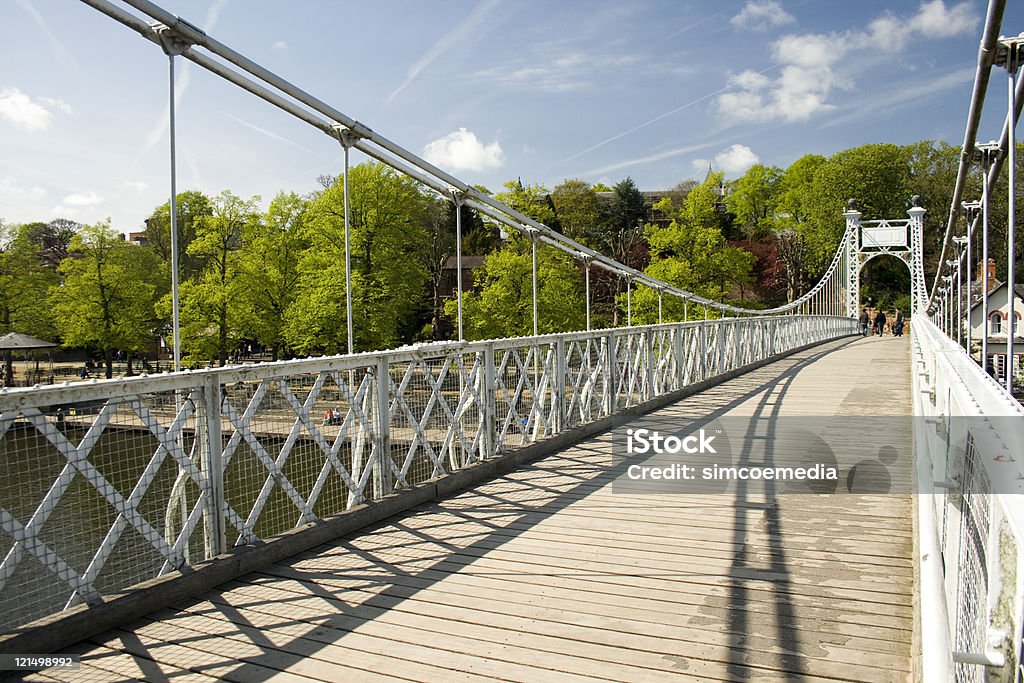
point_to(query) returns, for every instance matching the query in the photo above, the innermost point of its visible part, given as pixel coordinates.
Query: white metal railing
(969, 443)
(109, 483)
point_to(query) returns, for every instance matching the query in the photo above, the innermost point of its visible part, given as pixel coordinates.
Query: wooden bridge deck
(546, 574)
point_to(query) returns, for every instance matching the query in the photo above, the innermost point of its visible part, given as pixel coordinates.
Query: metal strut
(348, 140)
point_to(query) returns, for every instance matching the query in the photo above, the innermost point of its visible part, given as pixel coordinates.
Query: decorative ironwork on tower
(902, 238)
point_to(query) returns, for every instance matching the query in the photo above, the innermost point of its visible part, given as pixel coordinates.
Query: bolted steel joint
(1009, 53)
(987, 153)
(458, 196)
(172, 42)
(971, 209)
(346, 136)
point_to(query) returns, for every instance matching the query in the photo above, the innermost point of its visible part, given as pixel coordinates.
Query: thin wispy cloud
(60, 52)
(647, 123)
(902, 95)
(12, 192)
(268, 133)
(181, 83)
(557, 73)
(470, 28)
(689, 27)
(651, 158)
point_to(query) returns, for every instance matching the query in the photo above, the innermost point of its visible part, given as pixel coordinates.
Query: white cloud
(136, 185)
(736, 159)
(761, 15)
(11, 193)
(809, 62)
(280, 45)
(933, 20)
(29, 114)
(89, 198)
(53, 103)
(700, 166)
(462, 151)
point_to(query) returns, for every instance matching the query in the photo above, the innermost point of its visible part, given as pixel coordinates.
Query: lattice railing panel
(106, 484)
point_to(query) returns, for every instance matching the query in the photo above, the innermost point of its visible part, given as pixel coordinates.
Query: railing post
(703, 346)
(610, 375)
(677, 349)
(722, 339)
(382, 485)
(213, 469)
(559, 387)
(648, 339)
(489, 409)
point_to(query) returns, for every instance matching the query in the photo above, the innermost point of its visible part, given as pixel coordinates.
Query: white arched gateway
(902, 238)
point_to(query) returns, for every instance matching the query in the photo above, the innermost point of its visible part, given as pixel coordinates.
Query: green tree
(24, 285)
(793, 231)
(192, 207)
(752, 199)
(268, 269)
(503, 306)
(579, 208)
(692, 254)
(106, 300)
(933, 167)
(877, 176)
(533, 200)
(213, 301)
(389, 275)
(25, 281)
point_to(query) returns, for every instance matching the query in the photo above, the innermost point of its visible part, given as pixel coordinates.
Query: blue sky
(489, 89)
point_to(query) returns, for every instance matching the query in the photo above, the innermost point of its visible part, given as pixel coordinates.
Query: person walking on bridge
(865, 322)
(880, 323)
(897, 324)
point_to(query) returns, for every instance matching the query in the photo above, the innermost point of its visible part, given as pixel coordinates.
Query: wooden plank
(640, 605)
(587, 634)
(232, 656)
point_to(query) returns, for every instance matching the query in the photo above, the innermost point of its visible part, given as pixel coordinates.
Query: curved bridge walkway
(546, 574)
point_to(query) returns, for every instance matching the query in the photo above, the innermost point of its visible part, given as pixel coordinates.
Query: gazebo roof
(16, 341)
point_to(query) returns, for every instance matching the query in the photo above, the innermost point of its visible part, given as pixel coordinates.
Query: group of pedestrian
(877, 326)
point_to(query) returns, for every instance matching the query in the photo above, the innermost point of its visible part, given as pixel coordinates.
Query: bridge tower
(902, 238)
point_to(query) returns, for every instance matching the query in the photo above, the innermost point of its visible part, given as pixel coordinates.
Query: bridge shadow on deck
(379, 604)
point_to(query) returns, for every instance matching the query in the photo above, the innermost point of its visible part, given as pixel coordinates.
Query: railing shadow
(323, 604)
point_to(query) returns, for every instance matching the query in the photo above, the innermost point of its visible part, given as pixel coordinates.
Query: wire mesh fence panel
(293, 450)
(435, 414)
(973, 564)
(94, 496)
(666, 360)
(524, 396)
(631, 368)
(694, 354)
(585, 370)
